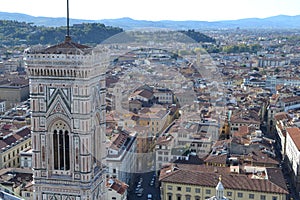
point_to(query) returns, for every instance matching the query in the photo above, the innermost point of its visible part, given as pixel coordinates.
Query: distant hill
(40, 21)
(16, 33)
(276, 22)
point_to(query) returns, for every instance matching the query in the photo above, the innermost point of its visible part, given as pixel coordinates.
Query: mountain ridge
(274, 22)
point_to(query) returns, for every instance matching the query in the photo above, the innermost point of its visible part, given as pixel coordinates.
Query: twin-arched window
(61, 146)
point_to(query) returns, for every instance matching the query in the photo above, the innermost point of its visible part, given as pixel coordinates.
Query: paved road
(154, 190)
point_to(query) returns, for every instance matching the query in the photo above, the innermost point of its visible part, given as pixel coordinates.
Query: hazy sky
(207, 10)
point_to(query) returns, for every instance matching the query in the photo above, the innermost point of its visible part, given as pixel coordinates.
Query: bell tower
(67, 91)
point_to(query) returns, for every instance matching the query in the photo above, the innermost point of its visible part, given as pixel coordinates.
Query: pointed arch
(60, 132)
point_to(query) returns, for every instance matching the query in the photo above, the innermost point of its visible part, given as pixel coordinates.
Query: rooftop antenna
(68, 38)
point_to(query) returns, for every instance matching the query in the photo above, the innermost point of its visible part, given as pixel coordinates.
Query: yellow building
(15, 92)
(144, 139)
(27, 191)
(156, 119)
(225, 130)
(199, 183)
(11, 144)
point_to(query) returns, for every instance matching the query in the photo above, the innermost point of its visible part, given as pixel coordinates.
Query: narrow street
(146, 187)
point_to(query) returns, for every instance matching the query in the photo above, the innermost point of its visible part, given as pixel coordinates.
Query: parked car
(151, 183)
(139, 194)
(138, 190)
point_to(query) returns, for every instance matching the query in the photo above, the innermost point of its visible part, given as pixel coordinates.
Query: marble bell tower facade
(67, 91)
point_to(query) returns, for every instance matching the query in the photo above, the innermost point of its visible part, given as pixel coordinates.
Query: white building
(163, 148)
(290, 103)
(164, 95)
(121, 156)
(273, 62)
(26, 158)
(2, 106)
(293, 154)
(117, 190)
(273, 81)
(281, 119)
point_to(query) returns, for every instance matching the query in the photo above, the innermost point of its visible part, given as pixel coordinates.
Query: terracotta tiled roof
(14, 137)
(229, 181)
(117, 185)
(275, 176)
(146, 94)
(6, 126)
(294, 133)
(290, 99)
(281, 116)
(259, 157)
(217, 159)
(135, 102)
(67, 47)
(204, 168)
(119, 140)
(243, 131)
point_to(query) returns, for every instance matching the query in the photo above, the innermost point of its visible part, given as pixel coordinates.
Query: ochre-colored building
(14, 92)
(198, 183)
(11, 144)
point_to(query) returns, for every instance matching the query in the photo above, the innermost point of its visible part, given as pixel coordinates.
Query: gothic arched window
(61, 146)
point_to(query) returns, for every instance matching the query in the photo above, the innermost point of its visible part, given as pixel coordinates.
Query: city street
(147, 188)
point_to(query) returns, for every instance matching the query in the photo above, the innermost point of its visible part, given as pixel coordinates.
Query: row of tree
(198, 36)
(239, 48)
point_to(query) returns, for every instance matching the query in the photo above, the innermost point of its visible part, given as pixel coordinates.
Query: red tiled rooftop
(119, 140)
(281, 116)
(290, 99)
(67, 47)
(13, 138)
(243, 131)
(6, 126)
(229, 181)
(294, 133)
(217, 159)
(117, 185)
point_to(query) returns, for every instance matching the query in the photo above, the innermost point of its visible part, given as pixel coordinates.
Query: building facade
(14, 93)
(177, 184)
(293, 154)
(2, 106)
(67, 90)
(121, 157)
(11, 144)
(26, 158)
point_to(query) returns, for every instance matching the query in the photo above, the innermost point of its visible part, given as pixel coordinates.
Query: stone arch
(60, 143)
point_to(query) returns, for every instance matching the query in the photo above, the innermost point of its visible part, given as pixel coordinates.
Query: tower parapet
(67, 59)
